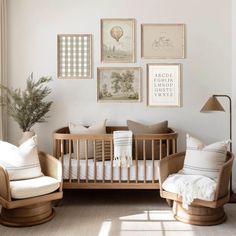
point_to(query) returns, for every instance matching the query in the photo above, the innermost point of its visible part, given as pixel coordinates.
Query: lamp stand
(232, 194)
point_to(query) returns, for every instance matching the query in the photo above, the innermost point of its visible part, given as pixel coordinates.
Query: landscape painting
(117, 40)
(119, 84)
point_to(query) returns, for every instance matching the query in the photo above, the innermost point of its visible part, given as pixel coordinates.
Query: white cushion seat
(33, 187)
(190, 187)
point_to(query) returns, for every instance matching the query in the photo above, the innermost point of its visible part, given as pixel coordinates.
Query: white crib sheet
(116, 171)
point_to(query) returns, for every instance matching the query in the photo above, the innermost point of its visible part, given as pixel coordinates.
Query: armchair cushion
(190, 187)
(21, 162)
(204, 160)
(33, 187)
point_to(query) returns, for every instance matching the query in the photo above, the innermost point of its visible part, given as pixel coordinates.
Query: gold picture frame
(118, 40)
(163, 41)
(119, 84)
(164, 85)
(74, 56)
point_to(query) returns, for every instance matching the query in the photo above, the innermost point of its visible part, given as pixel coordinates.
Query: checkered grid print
(74, 56)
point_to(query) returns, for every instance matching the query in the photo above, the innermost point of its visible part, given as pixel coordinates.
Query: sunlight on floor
(105, 228)
(151, 215)
(159, 222)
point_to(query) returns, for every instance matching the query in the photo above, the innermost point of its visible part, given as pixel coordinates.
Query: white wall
(33, 26)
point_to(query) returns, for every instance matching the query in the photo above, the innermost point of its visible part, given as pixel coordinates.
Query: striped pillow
(204, 160)
(20, 162)
(107, 150)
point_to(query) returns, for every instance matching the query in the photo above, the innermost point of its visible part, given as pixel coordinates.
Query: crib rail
(87, 160)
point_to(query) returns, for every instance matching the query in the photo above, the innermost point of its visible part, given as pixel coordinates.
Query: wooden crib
(98, 172)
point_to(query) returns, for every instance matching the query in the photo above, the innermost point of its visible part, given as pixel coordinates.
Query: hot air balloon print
(116, 33)
(117, 40)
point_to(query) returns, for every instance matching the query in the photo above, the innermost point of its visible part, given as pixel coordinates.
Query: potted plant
(27, 106)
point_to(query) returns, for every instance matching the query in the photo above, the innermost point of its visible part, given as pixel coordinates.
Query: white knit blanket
(190, 187)
(122, 148)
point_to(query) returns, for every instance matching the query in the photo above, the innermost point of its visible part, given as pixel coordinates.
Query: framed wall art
(119, 84)
(162, 41)
(74, 56)
(117, 40)
(164, 85)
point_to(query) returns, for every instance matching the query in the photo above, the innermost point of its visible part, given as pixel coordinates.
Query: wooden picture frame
(119, 84)
(164, 85)
(74, 56)
(118, 40)
(163, 41)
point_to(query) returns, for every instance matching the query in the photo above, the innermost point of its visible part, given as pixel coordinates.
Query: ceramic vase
(26, 135)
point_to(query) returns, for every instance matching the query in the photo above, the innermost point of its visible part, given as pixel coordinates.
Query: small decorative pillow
(204, 160)
(21, 162)
(99, 128)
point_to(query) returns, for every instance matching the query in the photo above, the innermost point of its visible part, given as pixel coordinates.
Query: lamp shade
(212, 104)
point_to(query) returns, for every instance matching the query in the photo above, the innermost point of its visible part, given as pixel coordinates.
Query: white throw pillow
(99, 128)
(21, 162)
(204, 160)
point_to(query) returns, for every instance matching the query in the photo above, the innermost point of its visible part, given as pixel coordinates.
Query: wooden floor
(119, 213)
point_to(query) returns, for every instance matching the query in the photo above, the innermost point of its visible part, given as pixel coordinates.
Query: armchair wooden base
(199, 215)
(27, 215)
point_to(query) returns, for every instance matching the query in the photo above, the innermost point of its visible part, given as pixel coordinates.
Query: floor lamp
(213, 105)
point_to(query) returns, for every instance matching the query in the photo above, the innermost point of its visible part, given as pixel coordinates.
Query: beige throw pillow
(204, 160)
(99, 128)
(158, 128)
(138, 128)
(21, 162)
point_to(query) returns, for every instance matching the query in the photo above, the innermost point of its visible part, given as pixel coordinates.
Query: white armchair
(28, 202)
(200, 212)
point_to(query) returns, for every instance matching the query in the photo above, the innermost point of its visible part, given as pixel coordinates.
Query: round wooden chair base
(28, 215)
(198, 215)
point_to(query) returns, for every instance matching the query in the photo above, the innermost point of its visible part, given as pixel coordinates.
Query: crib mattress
(108, 172)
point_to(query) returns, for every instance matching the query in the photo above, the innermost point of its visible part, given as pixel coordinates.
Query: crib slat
(128, 170)
(103, 161)
(128, 173)
(136, 159)
(78, 159)
(62, 157)
(111, 159)
(70, 168)
(94, 160)
(160, 150)
(120, 174)
(86, 157)
(173, 146)
(153, 166)
(144, 160)
(168, 147)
